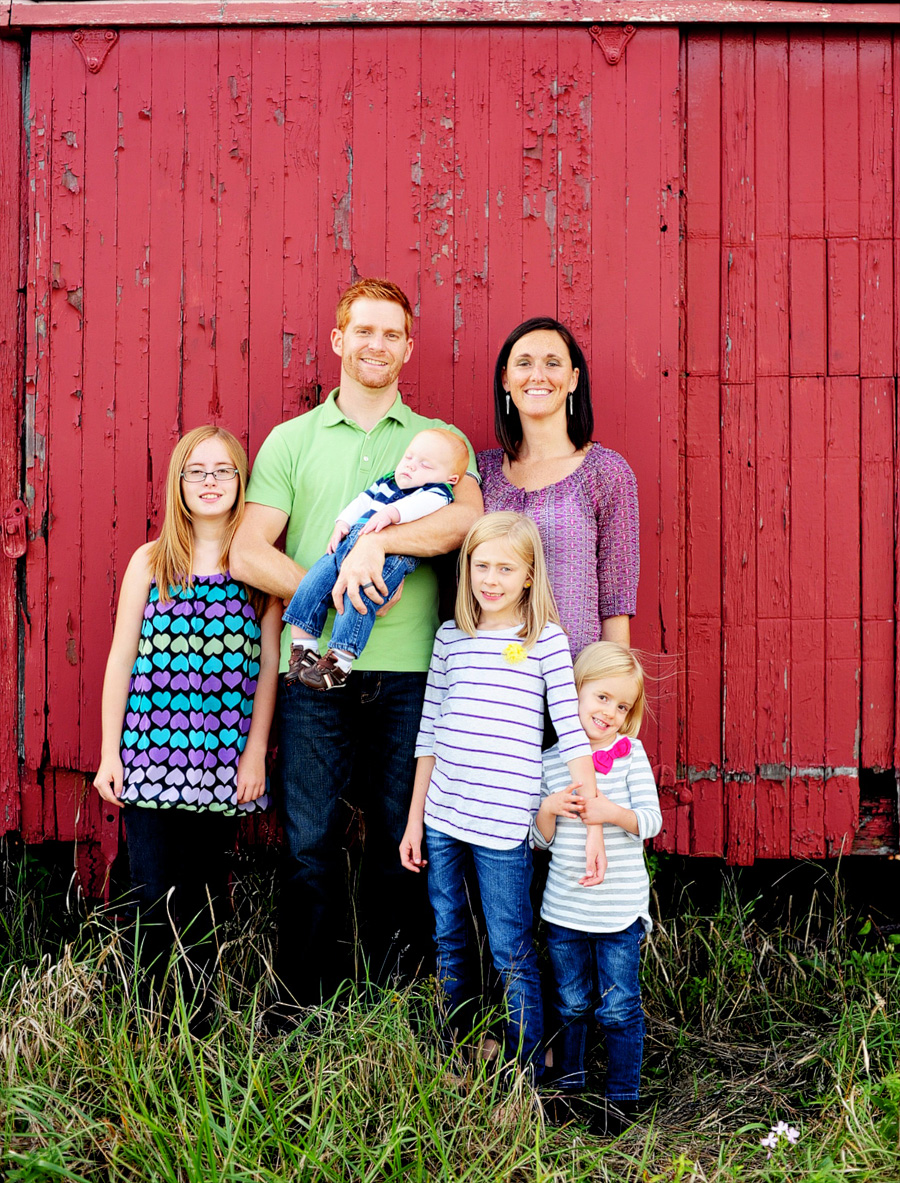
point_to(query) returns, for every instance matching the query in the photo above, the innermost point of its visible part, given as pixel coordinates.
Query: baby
(421, 483)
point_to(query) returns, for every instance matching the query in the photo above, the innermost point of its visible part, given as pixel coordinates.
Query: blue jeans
(598, 972)
(309, 606)
(504, 879)
(355, 745)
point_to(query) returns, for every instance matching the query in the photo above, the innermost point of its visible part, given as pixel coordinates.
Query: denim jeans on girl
(597, 973)
(504, 880)
(309, 606)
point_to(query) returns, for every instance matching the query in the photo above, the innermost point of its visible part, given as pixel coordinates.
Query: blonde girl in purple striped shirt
(478, 777)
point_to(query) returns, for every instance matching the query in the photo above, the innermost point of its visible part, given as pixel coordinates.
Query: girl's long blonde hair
(171, 556)
(537, 604)
(606, 659)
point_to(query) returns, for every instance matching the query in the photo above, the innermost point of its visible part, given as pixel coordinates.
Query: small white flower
(778, 1131)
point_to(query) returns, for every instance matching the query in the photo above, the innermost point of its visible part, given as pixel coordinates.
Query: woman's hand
(411, 847)
(251, 776)
(109, 781)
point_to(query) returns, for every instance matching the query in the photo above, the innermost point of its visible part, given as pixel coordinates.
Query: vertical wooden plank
(703, 586)
(403, 229)
(842, 610)
(671, 422)
(436, 308)
(302, 308)
(165, 288)
(12, 340)
(201, 202)
(369, 152)
(133, 460)
(876, 91)
(539, 171)
(574, 113)
(739, 518)
(738, 210)
(233, 248)
(841, 132)
(877, 542)
(773, 640)
(806, 219)
(609, 351)
(98, 407)
(66, 509)
(876, 290)
(771, 150)
(643, 292)
(267, 132)
(505, 194)
(808, 615)
(473, 357)
(703, 151)
(843, 305)
(334, 258)
(37, 423)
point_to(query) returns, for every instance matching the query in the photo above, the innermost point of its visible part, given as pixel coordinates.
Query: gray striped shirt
(624, 894)
(483, 721)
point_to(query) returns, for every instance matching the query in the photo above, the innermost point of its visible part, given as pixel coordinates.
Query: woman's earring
(507, 402)
(528, 583)
(570, 404)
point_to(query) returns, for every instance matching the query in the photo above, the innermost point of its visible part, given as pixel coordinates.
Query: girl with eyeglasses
(188, 698)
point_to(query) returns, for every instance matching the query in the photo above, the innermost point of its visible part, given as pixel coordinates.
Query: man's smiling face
(373, 346)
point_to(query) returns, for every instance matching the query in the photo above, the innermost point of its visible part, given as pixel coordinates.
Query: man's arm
(435, 534)
(255, 559)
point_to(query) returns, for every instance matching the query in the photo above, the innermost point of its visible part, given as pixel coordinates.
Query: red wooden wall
(790, 434)
(196, 206)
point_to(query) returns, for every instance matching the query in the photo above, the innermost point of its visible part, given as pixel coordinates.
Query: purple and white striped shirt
(483, 721)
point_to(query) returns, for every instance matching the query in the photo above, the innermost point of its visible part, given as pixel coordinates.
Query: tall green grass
(748, 1023)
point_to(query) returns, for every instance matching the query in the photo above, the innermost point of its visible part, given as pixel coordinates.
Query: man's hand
(389, 516)
(361, 570)
(341, 530)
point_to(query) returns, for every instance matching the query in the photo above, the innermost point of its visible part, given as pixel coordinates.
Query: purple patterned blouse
(588, 523)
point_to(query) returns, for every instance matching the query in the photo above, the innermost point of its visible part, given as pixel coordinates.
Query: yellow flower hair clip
(514, 653)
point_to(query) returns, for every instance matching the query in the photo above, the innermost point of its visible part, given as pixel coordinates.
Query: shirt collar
(332, 413)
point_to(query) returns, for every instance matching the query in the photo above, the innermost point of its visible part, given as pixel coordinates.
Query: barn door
(200, 199)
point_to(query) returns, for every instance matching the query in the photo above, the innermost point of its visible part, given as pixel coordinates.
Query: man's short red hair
(373, 289)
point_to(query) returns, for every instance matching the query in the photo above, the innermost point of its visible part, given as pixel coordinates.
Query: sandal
(301, 659)
(326, 674)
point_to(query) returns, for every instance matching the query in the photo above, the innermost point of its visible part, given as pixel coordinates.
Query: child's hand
(341, 530)
(411, 848)
(595, 858)
(109, 780)
(564, 803)
(378, 521)
(595, 811)
(251, 776)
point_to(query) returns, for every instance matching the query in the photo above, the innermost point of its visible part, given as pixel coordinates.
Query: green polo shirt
(314, 465)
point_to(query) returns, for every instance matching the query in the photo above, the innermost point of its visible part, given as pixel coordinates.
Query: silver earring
(507, 403)
(570, 404)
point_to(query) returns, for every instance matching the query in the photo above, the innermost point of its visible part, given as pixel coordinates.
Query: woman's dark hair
(580, 424)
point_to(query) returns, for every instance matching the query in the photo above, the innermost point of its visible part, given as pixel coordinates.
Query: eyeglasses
(195, 475)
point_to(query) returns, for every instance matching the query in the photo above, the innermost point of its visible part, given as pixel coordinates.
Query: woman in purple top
(581, 496)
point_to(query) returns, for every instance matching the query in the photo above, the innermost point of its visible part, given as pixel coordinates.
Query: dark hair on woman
(579, 424)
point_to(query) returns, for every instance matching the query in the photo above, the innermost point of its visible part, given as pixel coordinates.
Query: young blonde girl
(188, 696)
(594, 934)
(479, 767)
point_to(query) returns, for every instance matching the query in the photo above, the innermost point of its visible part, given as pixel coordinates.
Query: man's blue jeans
(358, 744)
(309, 607)
(504, 880)
(599, 973)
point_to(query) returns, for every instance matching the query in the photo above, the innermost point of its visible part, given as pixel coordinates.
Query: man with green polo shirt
(364, 735)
